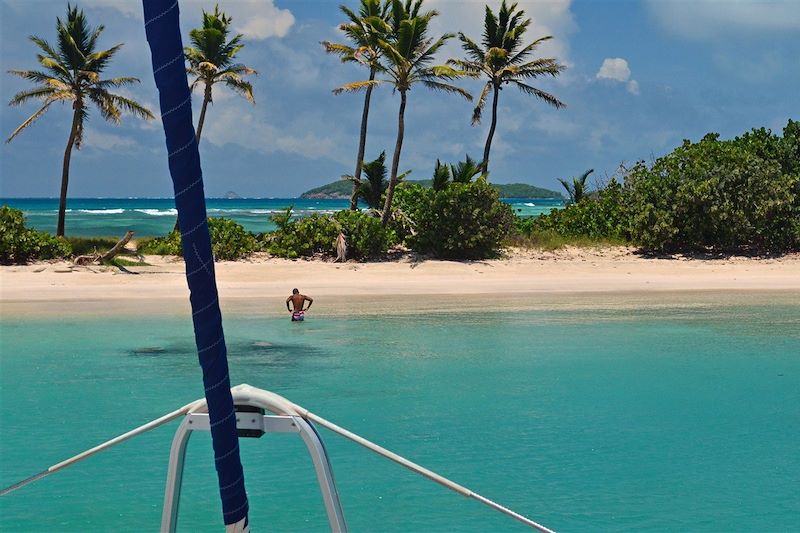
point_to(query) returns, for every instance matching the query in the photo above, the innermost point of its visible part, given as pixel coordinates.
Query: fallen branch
(108, 256)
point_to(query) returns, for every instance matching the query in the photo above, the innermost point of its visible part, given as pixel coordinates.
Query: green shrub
(742, 193)
(19, 244)
(169, 244)
(461, 221)
(229, 241)
(365, 235)
(317, 234)
(601, 216)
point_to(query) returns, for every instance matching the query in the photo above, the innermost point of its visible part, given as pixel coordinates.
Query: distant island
(341, 189)
(230, 195)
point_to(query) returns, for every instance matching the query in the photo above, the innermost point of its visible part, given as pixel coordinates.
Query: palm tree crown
(212, 59)
(366, 51)
(576, 189)
(504, 60)
(72, 73)
(408, 53)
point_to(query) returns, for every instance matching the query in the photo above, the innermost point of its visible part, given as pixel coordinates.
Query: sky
(642, 75)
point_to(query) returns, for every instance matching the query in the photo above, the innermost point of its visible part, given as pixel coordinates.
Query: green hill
(339, 190)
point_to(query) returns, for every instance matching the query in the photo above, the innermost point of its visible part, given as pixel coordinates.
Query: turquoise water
(589, 420)
(88, 217)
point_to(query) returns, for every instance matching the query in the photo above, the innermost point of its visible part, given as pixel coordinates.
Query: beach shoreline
(524, 279)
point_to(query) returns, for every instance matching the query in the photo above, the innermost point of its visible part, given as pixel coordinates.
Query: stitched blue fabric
(163, 34)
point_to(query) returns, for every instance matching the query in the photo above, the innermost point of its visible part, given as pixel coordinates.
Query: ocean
(111, 217)
(676, 418)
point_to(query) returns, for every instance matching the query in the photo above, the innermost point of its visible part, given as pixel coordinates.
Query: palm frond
(533, 91)
(525, 52)
(243, 88)
(121, 81)
(44, 46)
(30, 120)
(478, 111)
(357, 86)
(131, 106)
(39, 93)
(447, 88)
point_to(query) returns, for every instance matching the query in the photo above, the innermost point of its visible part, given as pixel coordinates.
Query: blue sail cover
(164, 36)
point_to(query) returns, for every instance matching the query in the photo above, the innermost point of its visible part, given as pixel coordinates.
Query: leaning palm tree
(504, 60)
(72, 74)
(576, 189)
(366, 52)
(408, 53)
(212, 60)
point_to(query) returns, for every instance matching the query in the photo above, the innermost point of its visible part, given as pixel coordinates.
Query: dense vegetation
(19, 244)
(460, 221)
(229, 241)
(341, 189)
(317, 234)
(735, 195)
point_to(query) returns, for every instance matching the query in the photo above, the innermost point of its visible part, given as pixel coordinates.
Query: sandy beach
(523, 279)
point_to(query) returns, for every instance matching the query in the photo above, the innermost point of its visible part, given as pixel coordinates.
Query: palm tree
(441, 176)
(212, 60)
(408, 53)
(372, 188)
(576, 189)
(72, 74)
(365, 51)
(464, 171)
(504, 60)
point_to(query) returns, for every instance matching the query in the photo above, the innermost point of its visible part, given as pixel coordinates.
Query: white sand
(523, 279)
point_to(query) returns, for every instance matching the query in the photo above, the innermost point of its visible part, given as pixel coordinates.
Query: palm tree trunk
(362, 143)
(395, 159)
(202, 119)
(62, 202)
(488, 146)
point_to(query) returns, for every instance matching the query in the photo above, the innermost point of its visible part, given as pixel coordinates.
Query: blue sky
(642, 76)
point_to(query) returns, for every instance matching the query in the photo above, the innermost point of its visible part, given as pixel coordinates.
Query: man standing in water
(297, 299)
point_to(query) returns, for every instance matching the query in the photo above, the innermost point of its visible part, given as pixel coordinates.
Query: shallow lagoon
(678, 418)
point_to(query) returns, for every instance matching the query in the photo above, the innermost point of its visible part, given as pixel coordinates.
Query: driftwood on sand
(108, 256)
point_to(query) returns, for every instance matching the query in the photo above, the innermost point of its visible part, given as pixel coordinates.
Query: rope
(169, 417)
(421, 470)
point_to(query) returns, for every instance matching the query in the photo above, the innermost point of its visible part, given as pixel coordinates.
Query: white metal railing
(287, 417)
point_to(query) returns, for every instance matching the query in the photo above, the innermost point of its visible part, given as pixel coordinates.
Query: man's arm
(289, 299)
(310, 301)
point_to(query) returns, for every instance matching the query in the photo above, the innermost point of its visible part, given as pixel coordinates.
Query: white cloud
(107, 141)
(710, 20)
(255, 19)
(243, 128)
(126, 7)
(259, 19)
(617, 69)
(614, 68)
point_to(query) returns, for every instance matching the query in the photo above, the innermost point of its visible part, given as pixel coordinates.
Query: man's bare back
(298, 300)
